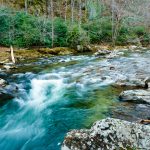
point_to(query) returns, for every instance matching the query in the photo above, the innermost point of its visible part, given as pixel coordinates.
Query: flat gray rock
(109, 134)
(138, 96)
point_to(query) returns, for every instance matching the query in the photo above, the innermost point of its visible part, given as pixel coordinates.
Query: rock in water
(147, 82)
(5, 96)
(138, 96)
(2, 82)
(109, 134)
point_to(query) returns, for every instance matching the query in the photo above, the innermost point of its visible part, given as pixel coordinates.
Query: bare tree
(26, 5)
(80, 13)
(66, 9)
(72, 11)
(52, 19)
(47, 8)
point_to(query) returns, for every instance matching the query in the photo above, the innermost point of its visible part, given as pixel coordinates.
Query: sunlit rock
(138, 96)
(109, 134)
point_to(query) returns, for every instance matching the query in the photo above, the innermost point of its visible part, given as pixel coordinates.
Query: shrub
(61, 31)
(99, 30)
(139, 30)
(26, 31)
(77, 36)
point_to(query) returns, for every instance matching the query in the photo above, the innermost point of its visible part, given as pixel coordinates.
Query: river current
(61, 93)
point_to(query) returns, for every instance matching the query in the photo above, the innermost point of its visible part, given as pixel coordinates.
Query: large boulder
(109, 134)
(138, 96)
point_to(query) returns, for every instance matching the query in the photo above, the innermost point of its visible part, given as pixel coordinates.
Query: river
(61, 93)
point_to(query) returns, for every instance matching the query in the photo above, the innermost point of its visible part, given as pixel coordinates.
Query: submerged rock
(109, 134)
(131, 111)
(138, 96)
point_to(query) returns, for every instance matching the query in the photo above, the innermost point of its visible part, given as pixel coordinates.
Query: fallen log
(12, 54)
(144, 121)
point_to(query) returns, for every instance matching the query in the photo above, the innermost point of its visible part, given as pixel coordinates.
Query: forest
(68, 23)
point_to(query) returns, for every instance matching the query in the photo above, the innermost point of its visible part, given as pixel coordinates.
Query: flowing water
(59, 94)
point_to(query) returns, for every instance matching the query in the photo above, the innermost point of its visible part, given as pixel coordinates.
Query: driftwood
(12, 54)
(144, 121)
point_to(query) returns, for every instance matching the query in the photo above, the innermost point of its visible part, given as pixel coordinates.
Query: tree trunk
(80, 13)
(72, 11)
(47, 8)
(66, 8)
(52, 19)
(26, 6)
(113, 24)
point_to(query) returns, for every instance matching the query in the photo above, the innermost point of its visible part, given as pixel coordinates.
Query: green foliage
(5, 26)
(17, 29)
(124, 35)
(24, 30)
(146, 39)
(139, 30)
(61, 31)
(77, 36)
(133, 35)
(99, 30)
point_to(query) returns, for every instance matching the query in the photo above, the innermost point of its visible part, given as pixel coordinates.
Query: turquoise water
(55, 95)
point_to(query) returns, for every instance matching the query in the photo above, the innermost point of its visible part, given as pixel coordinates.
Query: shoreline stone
(137, 96)
(109, 134)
